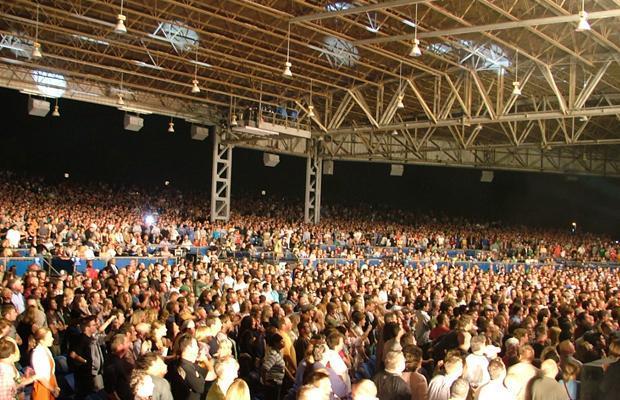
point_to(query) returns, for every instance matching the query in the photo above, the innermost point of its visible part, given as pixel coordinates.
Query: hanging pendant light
(56, 112)
(170, 126)
(287, 65)
(415, 50)
(36, 46)
(120, 22)
(583, 24)
(516, 90)
(120, 100)
(310, 106)
(195, 87)
(233, 116)
(400, 105)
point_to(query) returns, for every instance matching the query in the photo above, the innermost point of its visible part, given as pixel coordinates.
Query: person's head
(9, 312)
(9, 352)
(413, 357)
(549, 368)
(310, 392)
(497, 369)
(44, 337)
(570, 370)
(459, 389)
(141, 384)
(275, 341)
(89, 325)
(453, 365)
(394, 362)
(364, 390)
(478, 344)
(238, 390)
(188, 348)
(319, 378)
(153, 364)
(119, 344)
(614, 348)
(335, 341)
(526, 353)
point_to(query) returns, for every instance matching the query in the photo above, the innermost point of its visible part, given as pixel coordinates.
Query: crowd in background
(220, 327)
(87, 220)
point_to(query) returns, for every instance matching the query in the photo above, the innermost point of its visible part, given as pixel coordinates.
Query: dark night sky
(89, 142)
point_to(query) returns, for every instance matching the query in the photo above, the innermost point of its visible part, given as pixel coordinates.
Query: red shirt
(438, 331)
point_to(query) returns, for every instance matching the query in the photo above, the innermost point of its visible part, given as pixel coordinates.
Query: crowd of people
(222, 327)
(69, 219)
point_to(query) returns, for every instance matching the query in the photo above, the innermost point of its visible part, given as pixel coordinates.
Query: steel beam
(221, 181)
(314, 174)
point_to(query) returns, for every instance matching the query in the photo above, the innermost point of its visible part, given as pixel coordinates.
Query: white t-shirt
(13, 236)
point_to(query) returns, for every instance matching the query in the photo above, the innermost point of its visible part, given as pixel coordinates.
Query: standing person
(10, 379)
(117, 371)
(610, 387)
(187, 379)
(439, 387)
(45, 386)
(154, 365)
(390, 384)
(273, 368)
(417, 382)
(87, 359)
(227, 370)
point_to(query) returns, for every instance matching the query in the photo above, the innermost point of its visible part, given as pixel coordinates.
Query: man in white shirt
(476, 364)
(13, 236)
(439, 387)
(495, 389)
(17, 298)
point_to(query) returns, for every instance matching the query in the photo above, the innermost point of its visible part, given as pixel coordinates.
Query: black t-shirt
(391, 387)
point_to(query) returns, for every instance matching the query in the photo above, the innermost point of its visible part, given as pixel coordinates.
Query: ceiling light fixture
(415, 50)
(195, 88)
(120, 22)
(170, 126)
(36, 46)
(233, 115)
(400, 105)
(310, 106)
(516, 90)
(120, 100)
(56, 112)
(583, 25)
(287, 65)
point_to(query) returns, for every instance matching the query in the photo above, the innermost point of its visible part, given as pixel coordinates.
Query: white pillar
(314, 172)
(221, 180)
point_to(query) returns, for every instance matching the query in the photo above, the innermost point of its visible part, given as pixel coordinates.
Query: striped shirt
(273, 367)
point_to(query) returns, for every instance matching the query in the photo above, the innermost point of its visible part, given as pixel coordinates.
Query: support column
(314, 172)
(221, 181)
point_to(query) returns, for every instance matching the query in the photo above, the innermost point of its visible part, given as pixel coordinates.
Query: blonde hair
(239, 390)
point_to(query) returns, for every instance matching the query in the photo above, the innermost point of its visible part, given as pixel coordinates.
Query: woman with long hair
(239, 390)
(45, 385)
